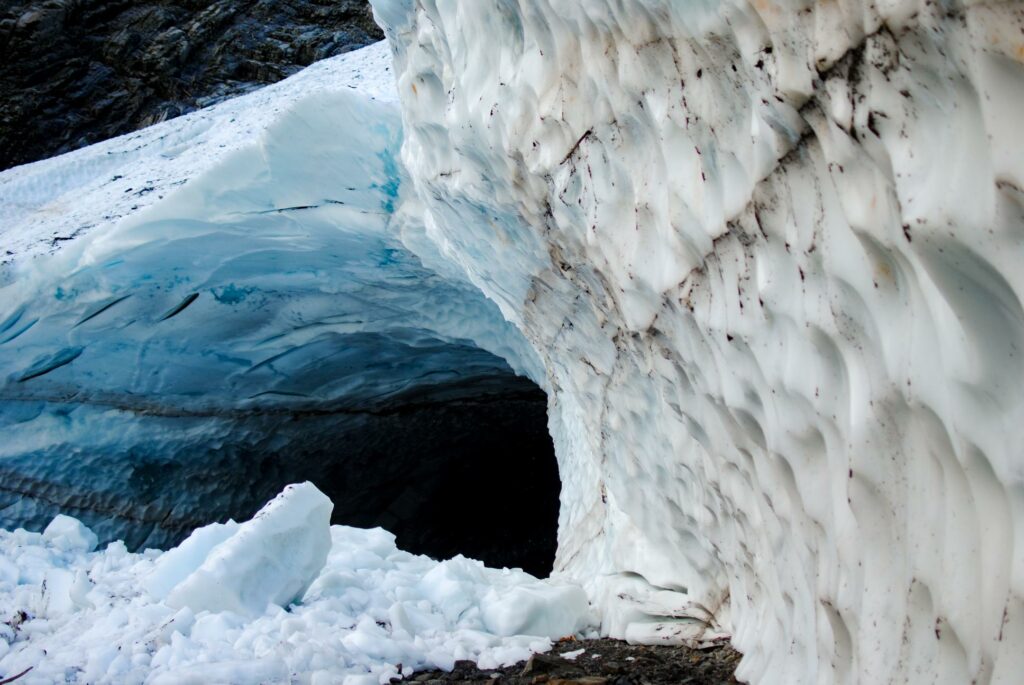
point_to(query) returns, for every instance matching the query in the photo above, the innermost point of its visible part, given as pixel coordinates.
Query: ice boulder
(271, 559)
(70, 534)
(549, 610)
(177, 564)
(507, 602)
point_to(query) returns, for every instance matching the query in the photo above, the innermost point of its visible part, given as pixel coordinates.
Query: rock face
(79, 71)
(769, 253)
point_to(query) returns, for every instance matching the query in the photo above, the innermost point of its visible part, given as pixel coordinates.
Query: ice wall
(769, 253)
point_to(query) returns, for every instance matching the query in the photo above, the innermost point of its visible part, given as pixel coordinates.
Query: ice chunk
(509, 602)
(177, 564)
(271, 559)
(538, 609)
(56, 595)
(8, 572)
(70, 534)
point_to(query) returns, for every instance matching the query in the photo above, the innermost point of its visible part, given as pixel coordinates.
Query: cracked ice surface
(769, 253)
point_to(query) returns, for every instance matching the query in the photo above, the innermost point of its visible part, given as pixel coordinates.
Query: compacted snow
(283, 598)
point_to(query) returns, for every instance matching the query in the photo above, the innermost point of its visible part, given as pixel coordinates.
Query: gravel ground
(602, 662)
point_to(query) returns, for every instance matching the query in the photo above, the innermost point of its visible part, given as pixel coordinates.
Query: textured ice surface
(769, 253)
(370, 612)
(177, 564)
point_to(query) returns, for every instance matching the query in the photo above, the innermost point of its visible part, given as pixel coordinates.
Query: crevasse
(768, 253)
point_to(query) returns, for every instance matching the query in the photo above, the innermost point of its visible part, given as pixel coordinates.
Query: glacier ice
(233, 280)
(768, 253)
(762, 256)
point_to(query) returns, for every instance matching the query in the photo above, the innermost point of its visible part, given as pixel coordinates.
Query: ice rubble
(769, 254)
(260, 258)
(363, 611)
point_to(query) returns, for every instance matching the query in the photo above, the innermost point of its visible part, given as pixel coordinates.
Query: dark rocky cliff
(79, 71)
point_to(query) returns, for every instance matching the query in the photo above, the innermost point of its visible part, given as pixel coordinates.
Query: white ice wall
(769, 253)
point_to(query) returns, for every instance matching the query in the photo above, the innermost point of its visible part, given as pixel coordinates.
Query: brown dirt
(604, 662)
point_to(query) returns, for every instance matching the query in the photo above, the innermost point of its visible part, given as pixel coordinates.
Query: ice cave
(680, 323)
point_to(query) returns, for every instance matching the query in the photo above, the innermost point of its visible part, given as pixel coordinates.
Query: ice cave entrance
(266, 323)
(471, 474)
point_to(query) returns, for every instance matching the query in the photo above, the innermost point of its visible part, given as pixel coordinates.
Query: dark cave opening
(463, 469)
(475, 476)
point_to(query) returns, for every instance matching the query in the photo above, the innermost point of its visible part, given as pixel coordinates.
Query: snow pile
(371, 611)
(769, 254)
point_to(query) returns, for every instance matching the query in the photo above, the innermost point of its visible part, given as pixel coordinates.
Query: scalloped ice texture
(769, 253)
